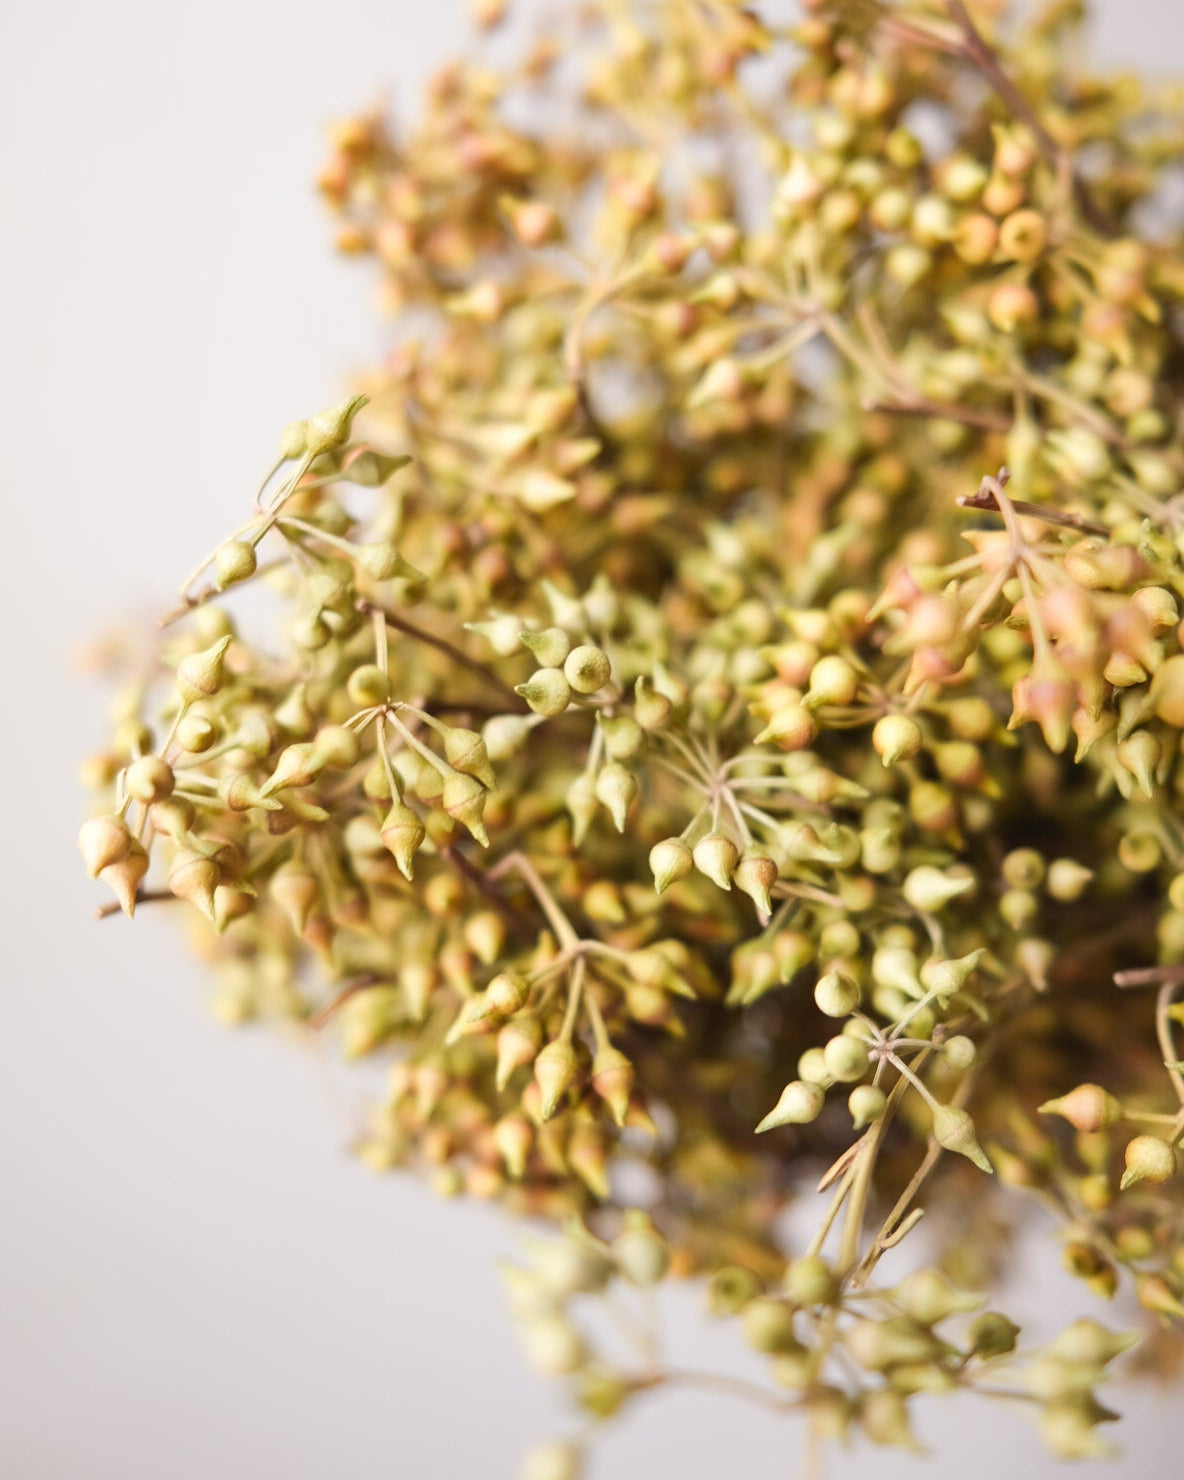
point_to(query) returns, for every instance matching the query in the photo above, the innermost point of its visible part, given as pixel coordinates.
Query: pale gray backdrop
(195, 1280)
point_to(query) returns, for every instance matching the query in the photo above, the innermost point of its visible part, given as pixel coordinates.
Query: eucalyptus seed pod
(716, 856)
(953, 1129)
(463, 798)
(799, 1104)
(547, 692)
(810, 1281)
(297, 891)
(867, 1103)
(651, 709)
(640, 1252)
(330, 429)
(234, 561)
(616, 788)
(929, 1296)
(587, 668)
(1087, 1108)
(124, 875)
(403, 832)
(613, 1077)
(103, 841)
(195, 877)
(896, 737)
(1148, 1159)
(556, 1069)
(837, 994)
(201, 675)
(549, 648)
(670, 860)
(755, 874)
(466, 752)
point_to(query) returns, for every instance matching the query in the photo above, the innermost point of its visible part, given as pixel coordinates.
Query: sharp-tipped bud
(587, 1156)
(810, 1280)
(1087, 1108)
(507, 993)
(954, 1130)
(382, 562)
(832, 681)
(993, 1335)
(613, 1077)
(202, 674)
(518, 1044)
(792, 727)
(466, 752)
(670, 860)
(616, 788)
(930, 889)
(298, 765)
(1148, 1159)
(331, 428)
(502, 633)
(549, 648)
(546, 691)
(640, 1252)
(1089, 1342)
(884, 1418)
(799, 1104)
(195, 877)
(335, 747)
(755, 874)
(403, 832)
(125, 874)
(896, 737)
(929, 1296)
(716, 855)
(555, 1070)
(463, 799)
(944, 978)
(105, 840)
(587, 668)
(506, 734)
(297, 891)
(371, 468)
(1068, 879)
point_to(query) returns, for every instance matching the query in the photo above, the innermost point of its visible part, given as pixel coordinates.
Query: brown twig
(986, 421)
(985, 499)
(331, 1008)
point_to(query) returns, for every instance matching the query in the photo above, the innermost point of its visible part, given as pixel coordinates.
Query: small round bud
(640, 1252)
(587, 669)
(403, 832)
(959, 1052)
(235, 561)
(809, 1280)
(549, 648)
(866, 1103)
(846, 1058)
(196, 733)
(1067, 879)
(767, 1324)
(837, 994)
(368, 685)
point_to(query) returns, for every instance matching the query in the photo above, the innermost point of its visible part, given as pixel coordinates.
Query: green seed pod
(640, 1252)
(929, 1296)
(330, 429)
(767, 1325)
(730, 1289)
(196, 733)
(587, 668)
(846, 1059)
(799, 1104)
(547, 692)
(403, 833)
(202, 674)
(954, 1129)
(335, 747)
(613, 1078)
(837, 994)
(754, 875)
(1148, 1159)
(1068, 880)
(518, 1044)
(810, 1281)
(549, 648)
(832, 681)
(931, 889)
(651, 709)
(716, 856)
(896, 737)
(670, 860)
(616, 788)
(959, 1052)
(992, 1335)
(463, 798)
(555, 1070)
(866, 1103)
(235, 561)
(368, 685)
(466, 752)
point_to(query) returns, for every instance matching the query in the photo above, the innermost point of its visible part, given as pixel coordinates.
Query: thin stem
(441, 644)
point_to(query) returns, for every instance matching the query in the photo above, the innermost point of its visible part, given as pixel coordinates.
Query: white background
(196, 1281)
